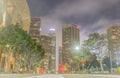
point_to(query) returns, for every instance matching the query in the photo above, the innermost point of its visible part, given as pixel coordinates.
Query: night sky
(91, 15)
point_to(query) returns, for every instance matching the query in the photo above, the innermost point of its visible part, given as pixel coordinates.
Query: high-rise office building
(46, 44)
(52, 34)
(113, 34)
(60, 55)
(70, 40)
(35, 29)
(14, 11)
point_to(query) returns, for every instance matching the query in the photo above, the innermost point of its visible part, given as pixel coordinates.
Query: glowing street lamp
(77, 48)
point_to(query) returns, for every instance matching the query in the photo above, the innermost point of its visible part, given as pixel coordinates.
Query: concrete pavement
(58, 76)
(15, 75)
(76, 76)
(47, 76)
(90, 76)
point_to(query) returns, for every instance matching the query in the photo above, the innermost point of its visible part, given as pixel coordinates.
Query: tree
(97, 43)
(75, 63)
(86, 55)
(27, 51)
(31, 56)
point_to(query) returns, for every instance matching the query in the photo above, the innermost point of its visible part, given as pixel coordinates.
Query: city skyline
(91, 15)
(40, 37)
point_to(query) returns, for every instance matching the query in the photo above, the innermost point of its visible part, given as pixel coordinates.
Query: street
(58, 76)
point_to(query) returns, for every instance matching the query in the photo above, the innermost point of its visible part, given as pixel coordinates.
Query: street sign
(81, 57)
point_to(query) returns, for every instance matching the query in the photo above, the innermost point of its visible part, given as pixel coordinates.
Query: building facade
(35, 29)
(60, 55)
(46, 44)
(113, 34)
(13, 12)
(52, 34)
(70, 40)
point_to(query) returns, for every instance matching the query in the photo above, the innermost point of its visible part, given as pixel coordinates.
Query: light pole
(110, 61)
(77, 48)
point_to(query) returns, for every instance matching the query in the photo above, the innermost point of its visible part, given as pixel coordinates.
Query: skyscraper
(35, 29)
(46, 44)
(70, 40)
(14, 11)
(52, 34)
(60, 55)
(113, 34)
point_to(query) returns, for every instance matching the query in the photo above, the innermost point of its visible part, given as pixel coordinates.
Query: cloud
(91, 14)
(99, 26)
(102, 25)
(76, 8)
(82, 7)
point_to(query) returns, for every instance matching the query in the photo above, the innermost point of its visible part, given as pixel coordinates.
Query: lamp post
(77, 48)
(110, 61)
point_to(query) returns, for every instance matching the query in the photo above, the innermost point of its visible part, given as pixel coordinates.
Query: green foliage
(91, 43)
(99, 44)
(28, 52)
(97, 40)
(13, 35)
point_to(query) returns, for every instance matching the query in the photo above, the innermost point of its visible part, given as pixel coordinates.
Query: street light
(77, 48)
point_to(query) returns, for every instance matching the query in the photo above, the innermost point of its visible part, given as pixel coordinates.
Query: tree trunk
(101, 65)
